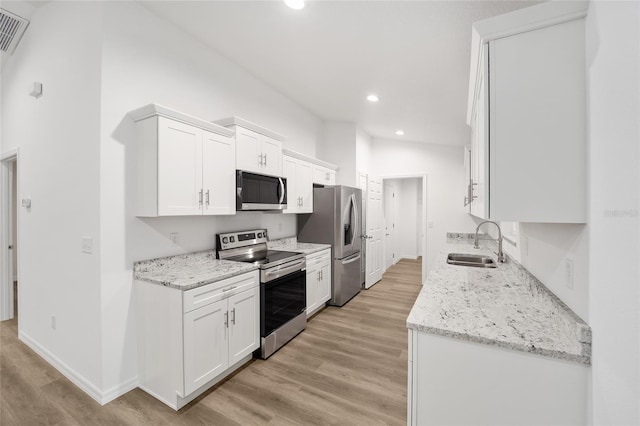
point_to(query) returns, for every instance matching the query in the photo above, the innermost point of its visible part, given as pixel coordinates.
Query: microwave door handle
(282, 191)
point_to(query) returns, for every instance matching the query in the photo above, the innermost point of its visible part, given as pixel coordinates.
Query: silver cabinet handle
(226, 319)
(207, 197)
(318, 276)
(327, 174)
(233, 316)
(265, 160)
(228, 289)
(260, 163)
(200, 197)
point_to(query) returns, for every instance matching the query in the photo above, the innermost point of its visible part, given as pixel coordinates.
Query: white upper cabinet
(186, 166)
(258, 150)
(527, 110)
(323, 175)
(299, 176)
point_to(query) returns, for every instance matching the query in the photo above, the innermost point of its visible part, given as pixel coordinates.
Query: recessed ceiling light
(295, 4)
(400, 132)
(373, 98)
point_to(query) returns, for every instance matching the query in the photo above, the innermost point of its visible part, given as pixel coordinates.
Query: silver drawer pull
(233, 316)
(229, 289)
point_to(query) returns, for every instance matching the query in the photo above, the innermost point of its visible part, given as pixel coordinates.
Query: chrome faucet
(501, 257)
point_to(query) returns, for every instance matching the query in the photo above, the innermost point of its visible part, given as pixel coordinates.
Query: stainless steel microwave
(260, 192)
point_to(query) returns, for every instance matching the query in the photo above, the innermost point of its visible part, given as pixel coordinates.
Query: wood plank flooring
(349, 367)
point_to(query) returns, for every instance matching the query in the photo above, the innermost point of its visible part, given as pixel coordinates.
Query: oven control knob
(225, 240)
(259, 234)
(264, 234)
(233, 239)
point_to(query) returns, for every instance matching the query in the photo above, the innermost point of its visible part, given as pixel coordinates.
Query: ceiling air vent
(12, 28)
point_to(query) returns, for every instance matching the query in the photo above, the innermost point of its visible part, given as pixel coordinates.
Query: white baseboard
(77, 379)
(410, 257)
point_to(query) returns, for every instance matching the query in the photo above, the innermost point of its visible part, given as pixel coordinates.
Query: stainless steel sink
(475, 260)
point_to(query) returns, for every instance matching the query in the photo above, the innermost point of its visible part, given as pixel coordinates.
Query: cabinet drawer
(210, 293)
(318, 258)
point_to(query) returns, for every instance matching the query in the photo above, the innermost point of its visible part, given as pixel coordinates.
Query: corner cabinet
(323, 175)
(318, 280)
(299, 176)
(190, 340)
(527, 111)
(258, 150)
(185, 165)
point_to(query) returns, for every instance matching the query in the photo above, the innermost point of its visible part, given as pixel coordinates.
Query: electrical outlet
(87, 245)
(53, 322)
(568, 273)
(175, 239)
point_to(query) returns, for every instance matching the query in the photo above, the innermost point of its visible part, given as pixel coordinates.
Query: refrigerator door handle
(346, 262)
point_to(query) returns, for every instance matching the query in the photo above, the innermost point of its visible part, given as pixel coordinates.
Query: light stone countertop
(188, 271)
(506, 307)
(292, 244)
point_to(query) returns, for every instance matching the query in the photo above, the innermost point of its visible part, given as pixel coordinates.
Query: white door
(248, 150)
(218, 174)
(271, 156)
(362, 184)
(289, 168)
(179, 168)
(206, 344)
(244, 324)
(324, 284)
(389, 224)
(374, 231)
(305, 186)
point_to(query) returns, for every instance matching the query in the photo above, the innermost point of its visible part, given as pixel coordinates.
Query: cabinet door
(248, 150)
(480, 146)
(289, 171)
(218, 174)
(244, 324)
(179, 168)
(324, 285)
(272, 156)
(304, 177)
(205, 345)
(313, 276)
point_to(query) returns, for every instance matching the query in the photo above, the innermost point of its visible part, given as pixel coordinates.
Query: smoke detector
(12, 27)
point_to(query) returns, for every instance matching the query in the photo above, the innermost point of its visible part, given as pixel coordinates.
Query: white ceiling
(330, 55)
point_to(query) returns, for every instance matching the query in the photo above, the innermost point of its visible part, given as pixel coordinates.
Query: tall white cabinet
(258, 149)
(527, 111)
(186, 166)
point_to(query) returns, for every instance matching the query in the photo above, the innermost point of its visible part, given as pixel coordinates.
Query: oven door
(281, 300)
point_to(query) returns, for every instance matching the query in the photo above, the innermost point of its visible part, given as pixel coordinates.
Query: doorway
(9, 236)
(404, 200)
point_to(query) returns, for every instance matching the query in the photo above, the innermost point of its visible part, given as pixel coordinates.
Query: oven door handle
(276, 273)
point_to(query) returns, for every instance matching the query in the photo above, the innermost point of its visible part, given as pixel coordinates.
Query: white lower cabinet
(189, 340)
(318, 280)
(456, 382)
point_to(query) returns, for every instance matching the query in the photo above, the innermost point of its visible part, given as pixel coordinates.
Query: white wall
(445, 184)
(363, 151)
(58, 136)
(613, 72)
(146, 60)
(338, 146)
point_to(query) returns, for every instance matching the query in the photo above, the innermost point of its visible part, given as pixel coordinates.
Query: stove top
(251, 247)
(267, 258)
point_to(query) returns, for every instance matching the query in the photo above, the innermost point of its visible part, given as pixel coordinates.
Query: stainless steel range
(283, 286)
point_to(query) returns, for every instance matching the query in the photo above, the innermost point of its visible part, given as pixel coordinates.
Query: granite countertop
(506, 307)
(292, 244)
(188, 271)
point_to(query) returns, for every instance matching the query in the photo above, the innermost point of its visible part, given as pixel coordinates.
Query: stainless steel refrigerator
(336, 220)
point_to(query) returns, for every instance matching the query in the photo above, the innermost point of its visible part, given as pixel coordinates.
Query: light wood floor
(349, 367)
